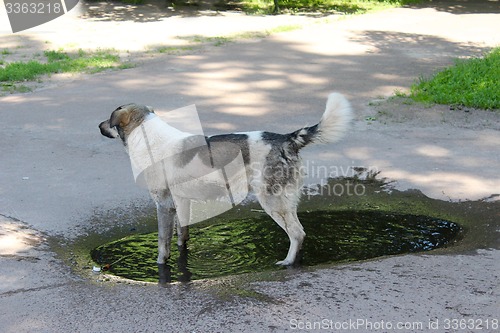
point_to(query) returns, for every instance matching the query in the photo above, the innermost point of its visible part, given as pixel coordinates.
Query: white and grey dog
(178, 167)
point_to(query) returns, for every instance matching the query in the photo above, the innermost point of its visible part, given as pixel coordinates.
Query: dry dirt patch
(402, 110)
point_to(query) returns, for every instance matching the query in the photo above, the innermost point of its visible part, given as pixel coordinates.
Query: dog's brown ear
(120, 117)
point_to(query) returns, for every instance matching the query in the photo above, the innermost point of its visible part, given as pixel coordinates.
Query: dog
(178, 167)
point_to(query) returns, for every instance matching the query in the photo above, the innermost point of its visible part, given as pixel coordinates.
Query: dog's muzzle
(108, 131)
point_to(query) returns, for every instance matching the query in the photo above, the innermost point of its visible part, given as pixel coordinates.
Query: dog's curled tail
(333, 124)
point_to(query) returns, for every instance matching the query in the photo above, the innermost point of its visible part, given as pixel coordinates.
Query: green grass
(223, 40)
(214, 40)
(291, 6)
(173, 49)
(14, 88)
(284, 28)
(60, 62)
(470, 83)
(324, 6)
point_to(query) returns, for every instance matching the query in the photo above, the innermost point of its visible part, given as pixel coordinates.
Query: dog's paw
(284, 263)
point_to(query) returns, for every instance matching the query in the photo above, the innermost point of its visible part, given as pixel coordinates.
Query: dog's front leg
(166, 214)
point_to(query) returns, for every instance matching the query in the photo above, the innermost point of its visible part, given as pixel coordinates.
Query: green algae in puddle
(255, 244)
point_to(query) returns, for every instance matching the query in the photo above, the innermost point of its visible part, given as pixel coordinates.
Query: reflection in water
(165, 270)
(255, 244)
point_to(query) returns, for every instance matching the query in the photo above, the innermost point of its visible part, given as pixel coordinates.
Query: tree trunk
(276, 7)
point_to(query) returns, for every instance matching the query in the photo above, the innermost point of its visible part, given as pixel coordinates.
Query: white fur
(335, 121)
(151, 142)
(154, 148)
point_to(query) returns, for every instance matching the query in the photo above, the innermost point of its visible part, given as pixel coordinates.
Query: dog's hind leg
(291, 224)
(182, 220)
(182, 235)
(284, 213)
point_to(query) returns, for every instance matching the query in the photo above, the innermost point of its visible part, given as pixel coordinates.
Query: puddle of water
(255, 244)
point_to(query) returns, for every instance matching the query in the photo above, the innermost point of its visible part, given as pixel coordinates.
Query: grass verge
(322, 6)
(470, 83)
(12, 73)
(223, 40)
(288, 6)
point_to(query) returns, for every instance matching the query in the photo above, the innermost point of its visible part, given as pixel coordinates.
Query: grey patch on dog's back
(215, 151)
(225, 148)
(192, 146)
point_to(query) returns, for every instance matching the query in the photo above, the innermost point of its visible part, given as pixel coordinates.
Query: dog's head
(124, 120)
